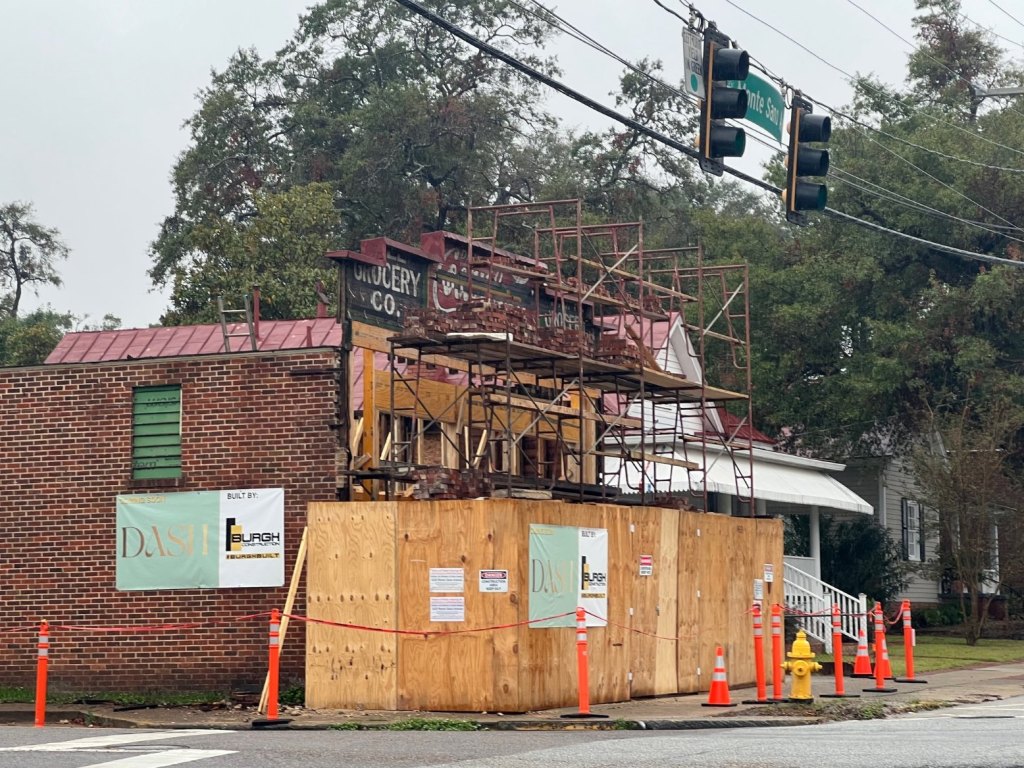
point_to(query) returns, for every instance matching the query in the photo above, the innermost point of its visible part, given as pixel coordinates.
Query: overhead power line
(887, 194)
(919, 49)
(766, 140)
(955, 158)
(850, 78)
(991, 31)
(690, 152)
(997, 5)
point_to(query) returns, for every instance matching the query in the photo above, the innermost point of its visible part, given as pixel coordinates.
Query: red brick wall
(65, 453)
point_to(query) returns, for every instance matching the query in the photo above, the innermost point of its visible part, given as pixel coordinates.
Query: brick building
(262, 419)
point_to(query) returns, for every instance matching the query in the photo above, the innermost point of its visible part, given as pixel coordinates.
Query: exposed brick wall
(65, 453)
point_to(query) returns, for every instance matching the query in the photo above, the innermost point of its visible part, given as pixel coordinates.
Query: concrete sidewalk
(943, 689)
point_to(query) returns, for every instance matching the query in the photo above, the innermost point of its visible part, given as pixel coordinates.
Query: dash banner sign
(568, 568)
(207, 539)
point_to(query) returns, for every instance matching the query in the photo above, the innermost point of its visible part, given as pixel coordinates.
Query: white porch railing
(806, 594)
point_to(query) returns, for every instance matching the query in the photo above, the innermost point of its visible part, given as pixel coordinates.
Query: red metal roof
(746, 432)
(188, 340)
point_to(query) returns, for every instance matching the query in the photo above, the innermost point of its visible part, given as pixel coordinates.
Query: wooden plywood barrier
(678, 584)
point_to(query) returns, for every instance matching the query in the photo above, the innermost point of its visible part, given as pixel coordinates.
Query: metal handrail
(812, 600)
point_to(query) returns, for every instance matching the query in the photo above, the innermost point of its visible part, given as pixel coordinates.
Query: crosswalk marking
(161, 757)
(99, 743)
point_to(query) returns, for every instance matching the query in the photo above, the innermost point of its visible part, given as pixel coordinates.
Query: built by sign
(207, 539)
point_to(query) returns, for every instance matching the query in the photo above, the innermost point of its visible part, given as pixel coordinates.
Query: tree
(27, 340)
(953, 60)
(968, 480)
(857, 335)
(281, 249)
(29, 252)
(404, 124)
(856, 555)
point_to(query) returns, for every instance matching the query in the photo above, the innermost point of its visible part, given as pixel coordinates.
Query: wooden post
(344, 390)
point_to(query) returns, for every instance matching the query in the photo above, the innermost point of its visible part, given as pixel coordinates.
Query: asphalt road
(979, 736)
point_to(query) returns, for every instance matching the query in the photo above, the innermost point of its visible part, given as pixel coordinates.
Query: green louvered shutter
(156, 432)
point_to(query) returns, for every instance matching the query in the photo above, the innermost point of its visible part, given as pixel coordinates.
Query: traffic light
(716, 139)
(803, 160)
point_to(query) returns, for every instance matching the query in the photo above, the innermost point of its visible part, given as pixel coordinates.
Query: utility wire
(991, 31)
(936, 179)
(838, 112)
(853, 80)
(839, 215)
(577, 34)
(669, 10)
(993, 2)
(874, 189)
(545, 14)
(756, 133)
(560, 87)
(919, 49)
(845, 116)
(887, 149)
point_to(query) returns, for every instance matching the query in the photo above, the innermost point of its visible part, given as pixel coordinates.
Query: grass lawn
(936, 652)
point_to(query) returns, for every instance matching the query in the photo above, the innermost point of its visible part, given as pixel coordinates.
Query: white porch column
(762, 508)
(815, 520)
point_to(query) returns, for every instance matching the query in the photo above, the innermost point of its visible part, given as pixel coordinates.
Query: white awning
(784, 483)
(777, 477)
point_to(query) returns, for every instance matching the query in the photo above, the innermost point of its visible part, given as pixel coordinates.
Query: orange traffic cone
(718, 696)
(862, 663)
(884, 655)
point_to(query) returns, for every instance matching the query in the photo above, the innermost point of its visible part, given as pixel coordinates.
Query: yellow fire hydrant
(801, 666)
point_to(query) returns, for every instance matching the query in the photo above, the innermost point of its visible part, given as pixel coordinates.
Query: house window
(156, 432)
(913, 530)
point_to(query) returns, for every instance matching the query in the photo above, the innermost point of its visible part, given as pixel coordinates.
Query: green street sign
(765, 106)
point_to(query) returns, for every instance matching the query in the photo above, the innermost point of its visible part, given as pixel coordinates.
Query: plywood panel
(547, 655)
(666, 565)
(700, 592)
(688, 608)
(653, 658)
(610, 678)
(738, 597)
(457, 671)
(714, 566)
(769, 550)
(351, 579)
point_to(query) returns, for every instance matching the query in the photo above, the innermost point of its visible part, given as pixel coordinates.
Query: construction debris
(444, 483)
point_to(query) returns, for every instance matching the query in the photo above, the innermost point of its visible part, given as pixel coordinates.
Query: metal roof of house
(188, 340)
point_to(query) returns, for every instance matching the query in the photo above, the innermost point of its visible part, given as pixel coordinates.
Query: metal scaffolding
(572, 392)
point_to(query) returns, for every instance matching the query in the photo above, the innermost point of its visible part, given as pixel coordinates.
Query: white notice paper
(447, 609)
(447, 580)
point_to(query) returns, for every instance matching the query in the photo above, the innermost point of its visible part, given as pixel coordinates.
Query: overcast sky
(95, 93)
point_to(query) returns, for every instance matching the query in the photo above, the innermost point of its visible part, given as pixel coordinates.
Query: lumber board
(289, 604)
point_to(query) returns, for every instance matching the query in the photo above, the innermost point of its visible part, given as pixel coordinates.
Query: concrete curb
(54, 716)
(485, 725)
